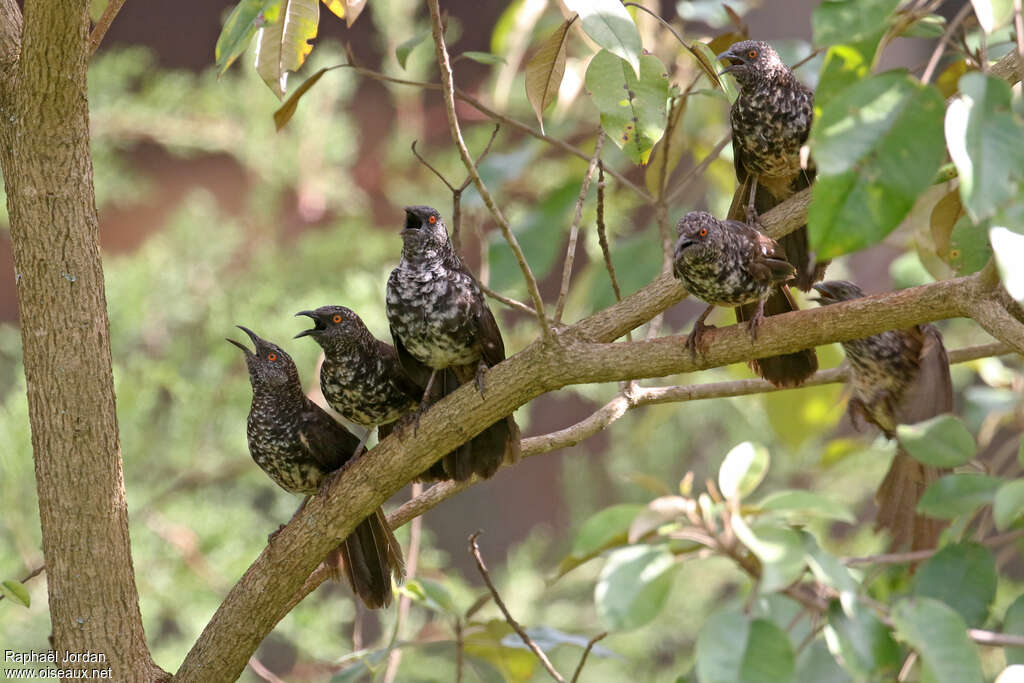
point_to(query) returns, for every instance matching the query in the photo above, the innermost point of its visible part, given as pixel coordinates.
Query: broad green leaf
(850, 21)
(632, 111)
(604, 527)
(239, 29)
(992, 13)
(1020, 452)
(743, 469)
(548, 638)
(731, 648)
(844, 65)
(285, 112)
(608, 23)
(780, 549)
(404, 49)
(430, 594)
(483, 57)
(963, 576)
(928, 26)
(1008, 247)
(940, 637)
(877, 145)
(806, 503)
(957, 494)
(633, 585)
(16, 592)
(969, 249)
(516, 664)
(708, 62)
(864, 643)
(942, 441)
(282, 47)
(545, 69)
(1013, 623)
(816, 663)
(1009, 501)
(827, 569)
(658, 512)
(986, 143)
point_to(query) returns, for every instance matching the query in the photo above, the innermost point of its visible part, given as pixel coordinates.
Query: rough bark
(44, 150)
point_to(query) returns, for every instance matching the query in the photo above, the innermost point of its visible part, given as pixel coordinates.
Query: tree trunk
(44, 150)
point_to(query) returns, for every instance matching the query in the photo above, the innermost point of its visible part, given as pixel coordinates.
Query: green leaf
(285, 112)
(806, 503)
(780, 549)
(659, 511)
(850, 21)
(545, 69)
(827, 568)
(969, 249)
(743, 469)
(864, 643)
(430, 594)
(548, 638)
(958, 494)
(877, 146)
(516, 664)
(16, 591)
(942, 441)
(633, 585)
(992, 13)
(986, 143)
(238, 31)
(632, 111)
(283, 46)
(1013, 624)
(1009, 502)
(734, 649)
(940, 637)
(483, 57)
(604, 527)
(1008, 247)
(608, 23)
(403, 51)
(844, 65)
(963, 576)
(816, 663)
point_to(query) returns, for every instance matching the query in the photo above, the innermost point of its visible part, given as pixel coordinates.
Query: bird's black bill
(252, 335)
(240, 345)
(412, 221)
(318, 324)
(732, 61)
(826, 295)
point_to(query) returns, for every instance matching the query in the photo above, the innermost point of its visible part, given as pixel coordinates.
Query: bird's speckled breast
(770, 125)
(361, 390)
(275, 446)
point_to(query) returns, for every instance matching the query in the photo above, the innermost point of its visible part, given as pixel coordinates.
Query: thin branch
(602, 239)
(31, 575)
(474, 550)
(574, 229)
(448, 90)
(699, 169)
(941, 46)
(412, 560)
(918, 555)
(262, 671)
(106, 19)
(586, 652)
(993, 639)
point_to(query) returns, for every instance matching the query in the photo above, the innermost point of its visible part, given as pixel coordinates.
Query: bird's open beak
(733, 61)
(826, 295)
(412, 221)
(252, 335)
(318, 325)
(683, 243)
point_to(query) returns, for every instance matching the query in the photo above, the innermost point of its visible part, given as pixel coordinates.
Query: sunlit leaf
(957, 494)
(658, 512)
(963, 576)
(864, 643)
(1009, 503)
(633, 585)
(548, 638)
(969, 248)
(353, 8)
(285, 112)
(515, 664)
(742, 470)
(928, 26)
(1008, 247)
(940, 637)
(404, 49)
(844, 65)
(708, 63)
(240, 27)
(850, 21)
(483, 57)
(1013, 623)
(632, 110)
(827, 568)
(604, 527)
(986, 143)
(608, 23)
(282, 47)
(732, 648)
(806, 503)
(16, 591)
(992, 13)
(780, 549)
(545, 69)
(337, 7)
(942, 441)
(877, 144)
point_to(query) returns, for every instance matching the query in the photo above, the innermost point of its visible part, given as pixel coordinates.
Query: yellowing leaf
(545, 69)
(283, 46)
(287, 110)
(337, 7)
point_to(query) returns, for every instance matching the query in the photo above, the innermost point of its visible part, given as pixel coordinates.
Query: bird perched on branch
(299, 445)
(771, 119)
(729, 263)
(439, 321)
(897, 377)
(361, 376)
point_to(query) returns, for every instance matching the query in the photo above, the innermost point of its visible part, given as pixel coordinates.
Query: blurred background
(209, 218)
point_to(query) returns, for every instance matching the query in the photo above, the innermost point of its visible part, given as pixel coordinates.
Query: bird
(361, 377)
(897, 377)
(771, 119)
(730, 263)
(299, 445)
(440, 321)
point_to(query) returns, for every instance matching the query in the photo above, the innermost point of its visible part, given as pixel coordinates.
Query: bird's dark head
(269, 366)
(333, 326)
(834, 291)
(424, 232)
(750, 60)
(700, 234)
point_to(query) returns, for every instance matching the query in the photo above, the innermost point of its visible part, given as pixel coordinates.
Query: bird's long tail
(369, 557)
(897, 498)
(484, 454)
(788, 369)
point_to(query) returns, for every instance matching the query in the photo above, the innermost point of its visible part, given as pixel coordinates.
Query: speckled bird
(361, 377)
(440, 320)
(729, 263)
(771, 119)
(897, 377)
(299, 445)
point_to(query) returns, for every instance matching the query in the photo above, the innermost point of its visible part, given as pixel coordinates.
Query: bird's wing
(324, 438)
(931, 392)
(491, 344)
(398, 373)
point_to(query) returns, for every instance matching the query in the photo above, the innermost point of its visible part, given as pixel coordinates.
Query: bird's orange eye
(432, 220)
(752, 54)
(703, 232)
(271, 356)
(337, 317)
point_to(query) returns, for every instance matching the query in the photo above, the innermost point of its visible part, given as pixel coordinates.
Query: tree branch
(106, 19)
(574, 229)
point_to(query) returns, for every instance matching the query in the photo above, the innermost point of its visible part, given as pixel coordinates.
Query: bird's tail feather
(788, 369)
(369, 557)
(897, 498)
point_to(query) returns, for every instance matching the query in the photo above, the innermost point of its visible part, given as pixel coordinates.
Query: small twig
(699, 168)
(993, 639)
(586, 651)
(31, 575)
(943, 41)
(918, 555)
(574, 229)
(412, 560)
(474, 550)
(106, 19)
(262, 671)
(814, 53)
(908, 665)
